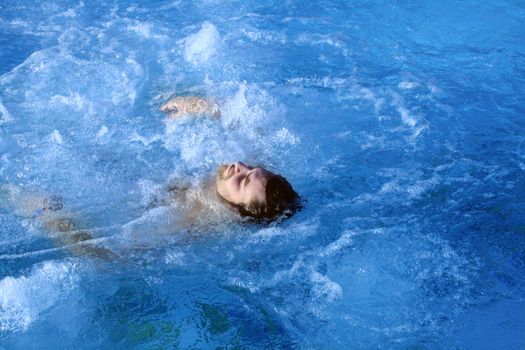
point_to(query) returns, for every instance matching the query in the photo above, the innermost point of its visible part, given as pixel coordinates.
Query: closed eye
(246, 180)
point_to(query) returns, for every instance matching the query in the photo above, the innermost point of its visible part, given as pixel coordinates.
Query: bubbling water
(24, 298)
(401, 135)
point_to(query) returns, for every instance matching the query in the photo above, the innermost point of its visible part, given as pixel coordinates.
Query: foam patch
(23, 299)
(201, 46)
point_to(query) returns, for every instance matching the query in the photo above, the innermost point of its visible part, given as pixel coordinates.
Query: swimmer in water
(250, 192)
(237, 192)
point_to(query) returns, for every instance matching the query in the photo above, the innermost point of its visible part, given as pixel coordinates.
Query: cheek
(233, 189)
(226, 188)
(221, 188)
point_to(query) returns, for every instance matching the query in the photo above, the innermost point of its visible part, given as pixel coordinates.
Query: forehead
(257, 183)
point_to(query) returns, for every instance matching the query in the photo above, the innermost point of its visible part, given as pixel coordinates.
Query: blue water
(401, 124)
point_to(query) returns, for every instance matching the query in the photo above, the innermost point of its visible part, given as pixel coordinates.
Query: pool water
(401, 125)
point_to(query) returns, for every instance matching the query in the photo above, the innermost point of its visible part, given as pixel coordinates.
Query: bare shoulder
(190, 105)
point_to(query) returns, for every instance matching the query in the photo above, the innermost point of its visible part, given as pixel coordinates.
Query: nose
(241, 167)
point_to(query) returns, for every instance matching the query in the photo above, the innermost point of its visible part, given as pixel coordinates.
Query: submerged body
(47, 213)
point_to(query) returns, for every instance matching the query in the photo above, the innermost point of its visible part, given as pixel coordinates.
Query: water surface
(401, 125)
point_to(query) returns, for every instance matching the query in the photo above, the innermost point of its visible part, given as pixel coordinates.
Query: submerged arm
(64, 232)
(48, 211)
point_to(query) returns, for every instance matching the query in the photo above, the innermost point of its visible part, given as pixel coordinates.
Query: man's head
(255, 191)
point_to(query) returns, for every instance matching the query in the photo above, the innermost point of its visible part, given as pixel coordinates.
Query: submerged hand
(190, 105)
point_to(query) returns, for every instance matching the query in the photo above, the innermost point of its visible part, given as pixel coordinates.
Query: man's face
(241, 184)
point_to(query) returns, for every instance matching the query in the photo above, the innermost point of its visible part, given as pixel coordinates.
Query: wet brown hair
(281, 201)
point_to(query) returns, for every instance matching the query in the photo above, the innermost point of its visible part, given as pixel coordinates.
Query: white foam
(342, 242)
(7, 145)
(175, 257)
(344, 134)
(264, 36)
(251, 107)
(4, 114)
(372, 141)
(324, 290)
(103, 134)
(149, 191)
(24, 298)
(406, 117)
(144, 29)
(237, 108)
(68, 13)
(345, 89)
(324, 287)
(74, 100)
(204, 146)
(268, 233)
(422, 186)
(20, 24)
(405, 184)
(319, 40)
(434, 89)
(284, 275)
(249, 125)
(56, 137)
(417, 131)
(369, 95)
(283, 135)
(293, 232)
(407, 85)
(146, 141)
(200, 46)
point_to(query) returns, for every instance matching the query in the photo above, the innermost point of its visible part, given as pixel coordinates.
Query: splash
(201, 46)
(23, 299)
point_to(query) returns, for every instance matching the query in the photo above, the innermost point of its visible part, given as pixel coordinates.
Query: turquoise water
(401, 125)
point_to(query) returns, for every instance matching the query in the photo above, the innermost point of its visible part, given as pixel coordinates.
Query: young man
(252, 192)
